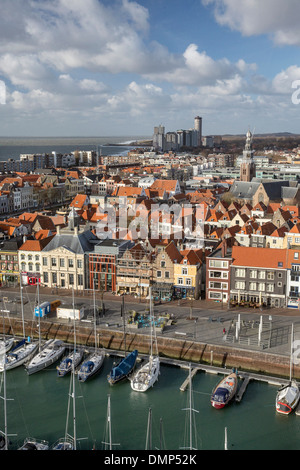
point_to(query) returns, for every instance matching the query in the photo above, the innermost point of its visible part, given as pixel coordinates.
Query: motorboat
(224, 391)
(21, 353)
(71, 360)
(91, 365)
(146, 376)
(287, 398)
(123, 369)
(51, 352)
(34, 444)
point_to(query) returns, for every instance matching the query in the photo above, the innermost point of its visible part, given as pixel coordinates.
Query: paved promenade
(268, 330)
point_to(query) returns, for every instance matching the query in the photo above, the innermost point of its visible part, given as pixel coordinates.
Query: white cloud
(280, 19)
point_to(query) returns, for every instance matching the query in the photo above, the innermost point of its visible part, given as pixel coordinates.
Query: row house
(103, 263)
(293, 278)
(134, 272)
(31, 260)
(163, 269)
(9, 262)
(188, 275)
(259, 275)
(218, 266)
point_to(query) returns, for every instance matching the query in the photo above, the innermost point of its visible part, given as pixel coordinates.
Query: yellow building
(188, 275)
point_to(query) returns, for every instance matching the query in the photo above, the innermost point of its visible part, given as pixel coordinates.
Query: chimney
(224, 248)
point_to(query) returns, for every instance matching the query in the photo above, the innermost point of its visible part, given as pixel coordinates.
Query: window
(240, 285)
(71, 279)
(61, 262)
(167, 274)
(71, 263)
(46, 278)
(184, 271)
(262, 275)
(162, 264)
(79, 263)
(296, 255)
(240, 272)
(252, 286)
(54, 278)
(215, 295)
(158, 274)
(270, 287)
(270, 276)
(253, 274)
(180, 281)
(80, 279)
(188, 281)
(53, 261)
(45, 262)
(261, 286)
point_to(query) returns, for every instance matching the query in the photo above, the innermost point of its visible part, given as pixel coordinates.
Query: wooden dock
(242, 388)
(185, 383)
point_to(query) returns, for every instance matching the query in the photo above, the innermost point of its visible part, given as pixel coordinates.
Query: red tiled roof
(259, 257)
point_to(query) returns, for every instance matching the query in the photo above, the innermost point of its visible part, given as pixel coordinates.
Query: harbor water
(37, 407)
(12, 147)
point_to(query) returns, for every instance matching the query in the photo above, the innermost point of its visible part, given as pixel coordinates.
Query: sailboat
(224, 391)
(288, 396)
(94, 362)
(52, 350)
(126, 365)
(34, 444)
(73, 358)
(6, 344)
(23, 350)
(147, 375)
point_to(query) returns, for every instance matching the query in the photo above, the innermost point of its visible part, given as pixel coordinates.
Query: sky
(121, 67)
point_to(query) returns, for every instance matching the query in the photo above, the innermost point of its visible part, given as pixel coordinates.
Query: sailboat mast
(124, 323)
(22, 305)
(95, 324)
(39, 310)
(109, 423)
(73, 374)
(149, 431)
(292, 338)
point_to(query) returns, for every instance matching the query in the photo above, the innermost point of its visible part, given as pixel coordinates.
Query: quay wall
(174, 348)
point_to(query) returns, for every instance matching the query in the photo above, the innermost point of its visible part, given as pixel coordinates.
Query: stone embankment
(222, 355)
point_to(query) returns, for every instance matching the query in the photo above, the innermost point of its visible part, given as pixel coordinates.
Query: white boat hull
(52, 351)
(67, 364)
(95, 360)
(20, 356)
(146, 376)
(287, 398)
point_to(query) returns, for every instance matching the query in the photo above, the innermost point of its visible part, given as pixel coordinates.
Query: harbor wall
(174, 348)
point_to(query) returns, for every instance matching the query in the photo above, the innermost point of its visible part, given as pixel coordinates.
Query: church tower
(248, 169)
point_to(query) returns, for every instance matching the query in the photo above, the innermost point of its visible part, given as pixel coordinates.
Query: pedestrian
(224, 331)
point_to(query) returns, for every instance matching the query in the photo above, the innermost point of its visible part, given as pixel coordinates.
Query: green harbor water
(37, 407)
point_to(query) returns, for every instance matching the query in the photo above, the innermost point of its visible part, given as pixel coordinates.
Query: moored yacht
(22, 352)
(51, 352)
(224, 391)
(68, 362)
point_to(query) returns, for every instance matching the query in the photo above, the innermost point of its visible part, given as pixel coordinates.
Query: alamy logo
(2, 92)
(296, 94)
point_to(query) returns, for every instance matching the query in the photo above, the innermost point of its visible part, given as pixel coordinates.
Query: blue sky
(121, 67)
